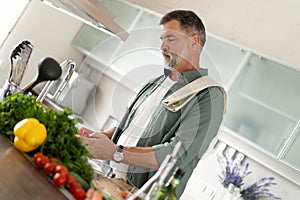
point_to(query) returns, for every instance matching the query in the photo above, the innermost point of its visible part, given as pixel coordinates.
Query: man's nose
(164, 46)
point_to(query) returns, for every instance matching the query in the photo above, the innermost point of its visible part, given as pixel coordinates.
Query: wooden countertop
(20, 179)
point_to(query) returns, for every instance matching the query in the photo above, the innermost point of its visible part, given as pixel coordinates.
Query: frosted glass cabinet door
(221, 58)
(89, 38)
(125, 14)
(292, 156)
(263, 104)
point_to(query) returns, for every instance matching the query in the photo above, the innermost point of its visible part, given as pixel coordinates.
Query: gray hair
(189, 21)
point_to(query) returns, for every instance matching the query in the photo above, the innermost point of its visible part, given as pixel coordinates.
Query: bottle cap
(179, 173)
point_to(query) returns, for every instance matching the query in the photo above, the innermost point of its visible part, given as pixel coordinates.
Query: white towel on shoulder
(182, 96)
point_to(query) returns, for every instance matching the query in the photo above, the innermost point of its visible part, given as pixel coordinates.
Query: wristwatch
(118, 156)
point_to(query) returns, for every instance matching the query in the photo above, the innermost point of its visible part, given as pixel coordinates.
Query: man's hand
(95, 134)
(100, 146)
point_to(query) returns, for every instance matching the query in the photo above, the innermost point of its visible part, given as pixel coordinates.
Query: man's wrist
(118, 155)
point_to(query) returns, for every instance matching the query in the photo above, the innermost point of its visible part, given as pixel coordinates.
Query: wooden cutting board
(112, 186)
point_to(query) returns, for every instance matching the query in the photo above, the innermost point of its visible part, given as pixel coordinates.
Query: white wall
(51, 33)
(271, 27)
(110, 99)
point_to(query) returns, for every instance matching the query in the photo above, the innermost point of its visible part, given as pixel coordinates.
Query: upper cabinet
(223, 59)
(125, 59)
(262, 104)
(263, 93)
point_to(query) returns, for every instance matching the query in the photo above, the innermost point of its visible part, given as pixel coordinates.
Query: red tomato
(40, 161)
(79, 194)
(60, 179)
(124, 194)
(83, 133)
(36, 155)
(49, 168)
(61, 169)
(74, 186)
(71, 179)
(55, 160)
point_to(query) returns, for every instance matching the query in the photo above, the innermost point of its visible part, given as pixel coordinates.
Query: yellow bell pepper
(29, 134)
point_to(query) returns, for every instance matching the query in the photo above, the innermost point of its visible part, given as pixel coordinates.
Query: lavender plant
(259, 190)
(231, 172)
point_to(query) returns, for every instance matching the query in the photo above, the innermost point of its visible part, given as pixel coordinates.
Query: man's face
(175, 45)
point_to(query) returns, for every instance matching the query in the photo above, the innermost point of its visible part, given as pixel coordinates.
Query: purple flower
(259, 189)
(232, 174)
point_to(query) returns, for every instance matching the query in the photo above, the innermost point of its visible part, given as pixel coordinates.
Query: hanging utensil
(19, 59)
(49, 69)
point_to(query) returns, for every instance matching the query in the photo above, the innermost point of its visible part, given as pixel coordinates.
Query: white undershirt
(133, 133)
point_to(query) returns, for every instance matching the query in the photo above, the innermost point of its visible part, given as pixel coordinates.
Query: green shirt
(195, 125)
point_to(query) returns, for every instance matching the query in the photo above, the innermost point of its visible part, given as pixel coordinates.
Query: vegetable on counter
(93, 194)
(61, 177)
(61, 141)
(29, 134)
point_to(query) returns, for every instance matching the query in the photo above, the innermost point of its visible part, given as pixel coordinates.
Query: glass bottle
(158, 179)
(159, 184)
(168, 192)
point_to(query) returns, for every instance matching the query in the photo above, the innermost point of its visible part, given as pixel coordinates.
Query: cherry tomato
(49, 168)
(36, 155)
(79, 194)
(71, 179)
(55, 160)
(61, 169)
(124, 194)
(60, 179)
(74, 186)
(83, 133)
(40, 161)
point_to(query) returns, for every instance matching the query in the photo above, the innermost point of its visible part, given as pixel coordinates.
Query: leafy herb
(61, 140)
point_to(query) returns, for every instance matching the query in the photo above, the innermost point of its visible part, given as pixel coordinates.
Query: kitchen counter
(20, 179)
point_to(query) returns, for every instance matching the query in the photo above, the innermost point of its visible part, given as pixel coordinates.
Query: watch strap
(120, 148)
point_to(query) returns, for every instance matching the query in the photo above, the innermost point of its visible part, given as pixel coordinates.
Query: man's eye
(171, 38)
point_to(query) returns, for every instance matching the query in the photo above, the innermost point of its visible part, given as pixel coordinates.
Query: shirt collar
(189, 76)
(193, 74)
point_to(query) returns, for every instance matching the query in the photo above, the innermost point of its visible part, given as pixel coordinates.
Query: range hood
(90, 12)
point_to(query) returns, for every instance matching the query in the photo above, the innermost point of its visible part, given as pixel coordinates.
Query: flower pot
(229, 193)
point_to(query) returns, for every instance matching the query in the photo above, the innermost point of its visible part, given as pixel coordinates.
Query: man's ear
(196, 40)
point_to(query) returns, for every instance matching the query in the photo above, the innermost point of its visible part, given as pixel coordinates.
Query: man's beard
(174, 58)
(172, 61)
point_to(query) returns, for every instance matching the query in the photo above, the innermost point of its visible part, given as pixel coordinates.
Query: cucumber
(80, 180)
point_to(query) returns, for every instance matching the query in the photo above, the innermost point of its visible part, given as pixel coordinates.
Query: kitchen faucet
(68, 65)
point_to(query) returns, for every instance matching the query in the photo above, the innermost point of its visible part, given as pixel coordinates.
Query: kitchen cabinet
(263, 93)
(263, 102)
(292, 153)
